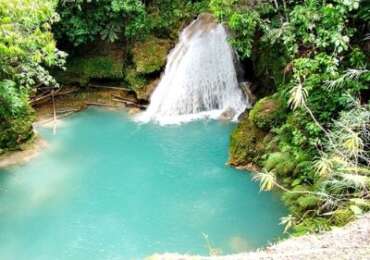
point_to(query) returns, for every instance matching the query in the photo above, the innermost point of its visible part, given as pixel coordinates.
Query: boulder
(228, 114)
(150, 55)
(268, 112)
(246, 146)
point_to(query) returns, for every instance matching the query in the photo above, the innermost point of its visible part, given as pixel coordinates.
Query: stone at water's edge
(228, 114)
(246, 146)
(251, 139)
(146, 91)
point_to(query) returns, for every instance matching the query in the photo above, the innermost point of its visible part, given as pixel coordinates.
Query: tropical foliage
(85, 21)
(319, 154)
(27, 50)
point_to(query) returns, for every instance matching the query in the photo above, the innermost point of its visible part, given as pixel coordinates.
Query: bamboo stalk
(108, 87)
(124, 98)
(130, 103)
(54, 113)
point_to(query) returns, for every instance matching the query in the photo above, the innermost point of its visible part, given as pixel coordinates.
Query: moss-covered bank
(251, 139)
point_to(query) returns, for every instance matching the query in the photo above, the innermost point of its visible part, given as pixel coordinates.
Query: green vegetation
(81, 70)
(27, 50)
(144, 32)
(86, 21)
(150, 55)
(313, 57)
(16, 116)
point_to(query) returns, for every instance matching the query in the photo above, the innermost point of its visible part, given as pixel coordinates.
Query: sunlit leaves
(26, 41)
(353, 144)
(324, 166)
(355, 180)
(288, 222)
(266, 180)
(350, 74)
(298, 95)
(242, 21)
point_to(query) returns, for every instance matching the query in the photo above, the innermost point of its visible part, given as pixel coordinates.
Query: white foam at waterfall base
(200, 80)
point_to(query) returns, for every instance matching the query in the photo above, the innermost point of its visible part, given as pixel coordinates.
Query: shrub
(311, 225)
(342, 216)
(308, 201)
(16, 116)
(134, 79)
(281, 163)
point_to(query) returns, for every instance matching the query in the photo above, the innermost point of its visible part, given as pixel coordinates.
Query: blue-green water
(109, 188)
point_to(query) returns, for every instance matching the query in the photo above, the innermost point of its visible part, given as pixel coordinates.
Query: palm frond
(266, 179)
(353, 144)
(298, 95)
(355, 180)
(288, 222)
(350, 74)
(324, 166)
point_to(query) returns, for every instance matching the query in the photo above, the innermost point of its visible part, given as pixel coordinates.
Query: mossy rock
(246, 143)
(268, 112)
(342, 216)
(144, 93)
(134, 79)
(150, 55)
(82, 69)
(283, 164)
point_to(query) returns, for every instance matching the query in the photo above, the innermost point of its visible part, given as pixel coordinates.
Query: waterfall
(200, 80)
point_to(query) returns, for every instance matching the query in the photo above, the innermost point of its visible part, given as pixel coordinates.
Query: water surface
(109, 188)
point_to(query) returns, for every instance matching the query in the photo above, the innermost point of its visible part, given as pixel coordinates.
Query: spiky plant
(350, 74)
(298, 95)
(267, 180)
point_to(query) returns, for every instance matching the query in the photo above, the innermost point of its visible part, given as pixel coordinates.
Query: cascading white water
(200, 78)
